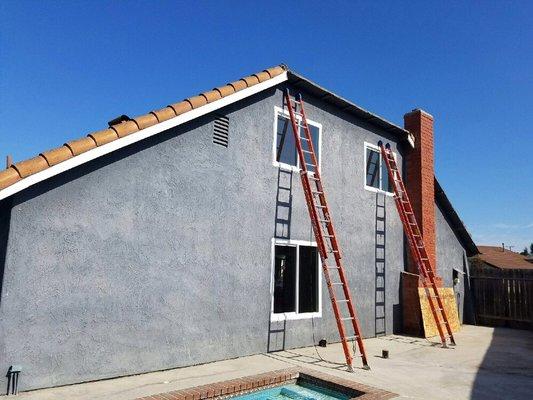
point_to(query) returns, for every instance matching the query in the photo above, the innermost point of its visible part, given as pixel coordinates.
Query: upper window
(285, 154)
(296, 280)
(376, 174)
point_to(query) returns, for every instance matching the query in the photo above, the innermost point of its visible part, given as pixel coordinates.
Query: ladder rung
(329, 236)
(347, 318)
(337, 283)
(316, 192)
(332, 267)
(302, 138)
(327, 221)
(341, 301)
(307, 151)
(351, 337)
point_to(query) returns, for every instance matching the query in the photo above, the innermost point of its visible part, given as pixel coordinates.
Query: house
(501, 258)
(182, 236)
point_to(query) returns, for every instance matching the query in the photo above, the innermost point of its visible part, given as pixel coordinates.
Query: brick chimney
(419, 179)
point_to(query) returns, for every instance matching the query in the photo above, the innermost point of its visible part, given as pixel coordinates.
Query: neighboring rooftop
(499, 257)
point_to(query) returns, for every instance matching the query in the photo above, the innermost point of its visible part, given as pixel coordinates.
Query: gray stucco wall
(451, 255)
(159, 255)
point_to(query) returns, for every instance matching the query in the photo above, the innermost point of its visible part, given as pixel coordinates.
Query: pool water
(301, 391)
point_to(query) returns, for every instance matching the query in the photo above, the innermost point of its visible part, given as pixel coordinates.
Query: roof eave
(329, 97)
(458, 225)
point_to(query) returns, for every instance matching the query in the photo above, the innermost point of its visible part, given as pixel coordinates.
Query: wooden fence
(502, 297)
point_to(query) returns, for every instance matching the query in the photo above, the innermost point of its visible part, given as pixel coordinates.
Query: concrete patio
(488, 363)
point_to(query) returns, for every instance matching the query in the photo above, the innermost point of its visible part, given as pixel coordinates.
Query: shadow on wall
(5, 220)
(282, 230)
(380, 320)
(506, 371)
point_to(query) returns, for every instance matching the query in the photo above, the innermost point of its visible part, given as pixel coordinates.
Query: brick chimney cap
(419, 110)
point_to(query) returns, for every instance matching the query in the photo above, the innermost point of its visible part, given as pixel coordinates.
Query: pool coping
(252, 383)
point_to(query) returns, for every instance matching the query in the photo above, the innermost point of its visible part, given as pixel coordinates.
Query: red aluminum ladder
(416, 244)
(328, 245)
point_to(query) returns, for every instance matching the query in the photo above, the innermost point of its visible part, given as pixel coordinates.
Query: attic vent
(221, 131)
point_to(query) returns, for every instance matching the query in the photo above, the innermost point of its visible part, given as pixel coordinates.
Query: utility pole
(9, 161)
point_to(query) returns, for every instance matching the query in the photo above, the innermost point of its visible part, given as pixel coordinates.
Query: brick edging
(266, 380)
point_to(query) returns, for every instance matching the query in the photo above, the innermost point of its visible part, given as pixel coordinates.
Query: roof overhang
(335, 100)
(33, 171)
(138, 136)
(455, 222)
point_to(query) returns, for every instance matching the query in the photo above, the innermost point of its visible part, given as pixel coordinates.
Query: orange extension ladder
(328, 245)
(416, 244)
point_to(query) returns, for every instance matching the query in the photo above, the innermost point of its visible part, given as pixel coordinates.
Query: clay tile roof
(212, 95)
(74, 148)
(9, 177)
(81, 145)
(125, 128)
(164, 114)
(239, 85)
(251, 80)
(225, 90)
(262, 76)
(181, 107)
(197, 101)
(145, 121)
(31, 166)
(103, 137)
(58, 155)
(500, 258)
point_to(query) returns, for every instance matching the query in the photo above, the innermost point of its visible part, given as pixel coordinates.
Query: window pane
(308, 284)
(372, 168)
(314, 136)
(285, 279)
(385, 184)
(285, 147)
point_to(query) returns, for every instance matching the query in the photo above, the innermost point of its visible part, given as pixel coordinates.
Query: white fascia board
(139, 135)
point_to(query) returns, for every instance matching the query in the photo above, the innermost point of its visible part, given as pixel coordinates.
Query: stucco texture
(159, 255)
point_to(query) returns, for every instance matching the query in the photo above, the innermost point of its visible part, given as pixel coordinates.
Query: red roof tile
(74, 148)
(497, 257)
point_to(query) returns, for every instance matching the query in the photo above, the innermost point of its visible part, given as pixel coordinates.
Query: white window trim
(288, 167)
(371, 146)
(294, 315)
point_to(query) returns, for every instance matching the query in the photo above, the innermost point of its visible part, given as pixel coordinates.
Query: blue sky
(66, 68)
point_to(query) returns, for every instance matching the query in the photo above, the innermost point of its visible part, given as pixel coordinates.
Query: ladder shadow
(282, 230)
(296, 358)
(380, 328)
(282, 219)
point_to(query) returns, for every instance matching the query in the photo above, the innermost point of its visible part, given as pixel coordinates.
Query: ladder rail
(325, 235)
(320, 188)
(416, 246)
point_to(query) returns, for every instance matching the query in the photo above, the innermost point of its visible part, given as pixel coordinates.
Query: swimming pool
(295, 391)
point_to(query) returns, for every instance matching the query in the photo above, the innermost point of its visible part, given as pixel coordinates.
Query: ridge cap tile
(78, 146)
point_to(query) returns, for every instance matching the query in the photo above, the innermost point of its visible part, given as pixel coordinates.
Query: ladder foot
(350, 368)
(366, 367)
